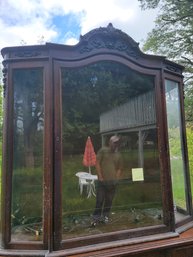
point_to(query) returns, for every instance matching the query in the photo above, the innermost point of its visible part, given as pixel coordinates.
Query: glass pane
(28, 125)
(175, 145)
(102, 100)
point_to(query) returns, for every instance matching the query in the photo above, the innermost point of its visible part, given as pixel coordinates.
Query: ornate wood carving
(110, 38)
(27, 54)
(4, 71)
(173, 69)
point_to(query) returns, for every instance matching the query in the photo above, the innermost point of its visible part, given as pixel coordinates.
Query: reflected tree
(88, 92)
(28, 115)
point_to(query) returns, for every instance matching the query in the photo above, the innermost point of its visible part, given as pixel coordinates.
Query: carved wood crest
(111, 39)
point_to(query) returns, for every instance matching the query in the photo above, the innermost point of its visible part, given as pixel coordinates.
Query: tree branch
(178, 19)
(187, 79)
(187, 59)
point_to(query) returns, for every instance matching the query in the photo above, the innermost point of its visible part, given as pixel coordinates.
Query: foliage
(189, 132)
(173, 32)
(173, 37)
(189, 104)
(90, 91)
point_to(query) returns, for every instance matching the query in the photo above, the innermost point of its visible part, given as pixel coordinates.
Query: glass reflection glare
(176, 148)
(28, 124)
(101, 100)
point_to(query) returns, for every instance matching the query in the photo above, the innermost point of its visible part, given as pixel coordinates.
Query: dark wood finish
(7, 165)
(172, 247)
(162, 248)
(57, 160)
(48, 158)
(107, 44)
(166, 184)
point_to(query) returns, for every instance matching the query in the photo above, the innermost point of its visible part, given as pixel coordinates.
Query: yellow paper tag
(137, 174)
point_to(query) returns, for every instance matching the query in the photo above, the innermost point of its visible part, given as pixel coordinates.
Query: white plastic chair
(82, 181)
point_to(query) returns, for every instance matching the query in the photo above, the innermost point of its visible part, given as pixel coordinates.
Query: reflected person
(108, 166)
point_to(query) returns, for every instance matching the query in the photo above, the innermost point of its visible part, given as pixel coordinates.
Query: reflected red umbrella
(89, 158)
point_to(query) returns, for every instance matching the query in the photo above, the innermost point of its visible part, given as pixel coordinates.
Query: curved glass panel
(109, 183)
(176, 148)
(28, 125)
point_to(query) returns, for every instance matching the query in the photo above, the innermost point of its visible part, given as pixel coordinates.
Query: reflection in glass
(102, 100)
(175, 145)
(28, 124)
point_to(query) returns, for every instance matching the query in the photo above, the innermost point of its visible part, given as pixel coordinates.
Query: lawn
(132, 205)
(178, 183)
(132, 200)
(138, 203)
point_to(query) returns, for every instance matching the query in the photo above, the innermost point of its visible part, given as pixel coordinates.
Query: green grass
(178, 183)
(28, 191)
(72, 201)
(27, 195)
(128, 193)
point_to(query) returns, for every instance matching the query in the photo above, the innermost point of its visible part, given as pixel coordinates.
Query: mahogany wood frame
(93, 47)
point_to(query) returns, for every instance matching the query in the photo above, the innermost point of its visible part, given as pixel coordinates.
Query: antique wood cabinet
(57, 98)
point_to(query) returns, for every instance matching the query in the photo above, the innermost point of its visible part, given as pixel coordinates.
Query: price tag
(137, 174)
